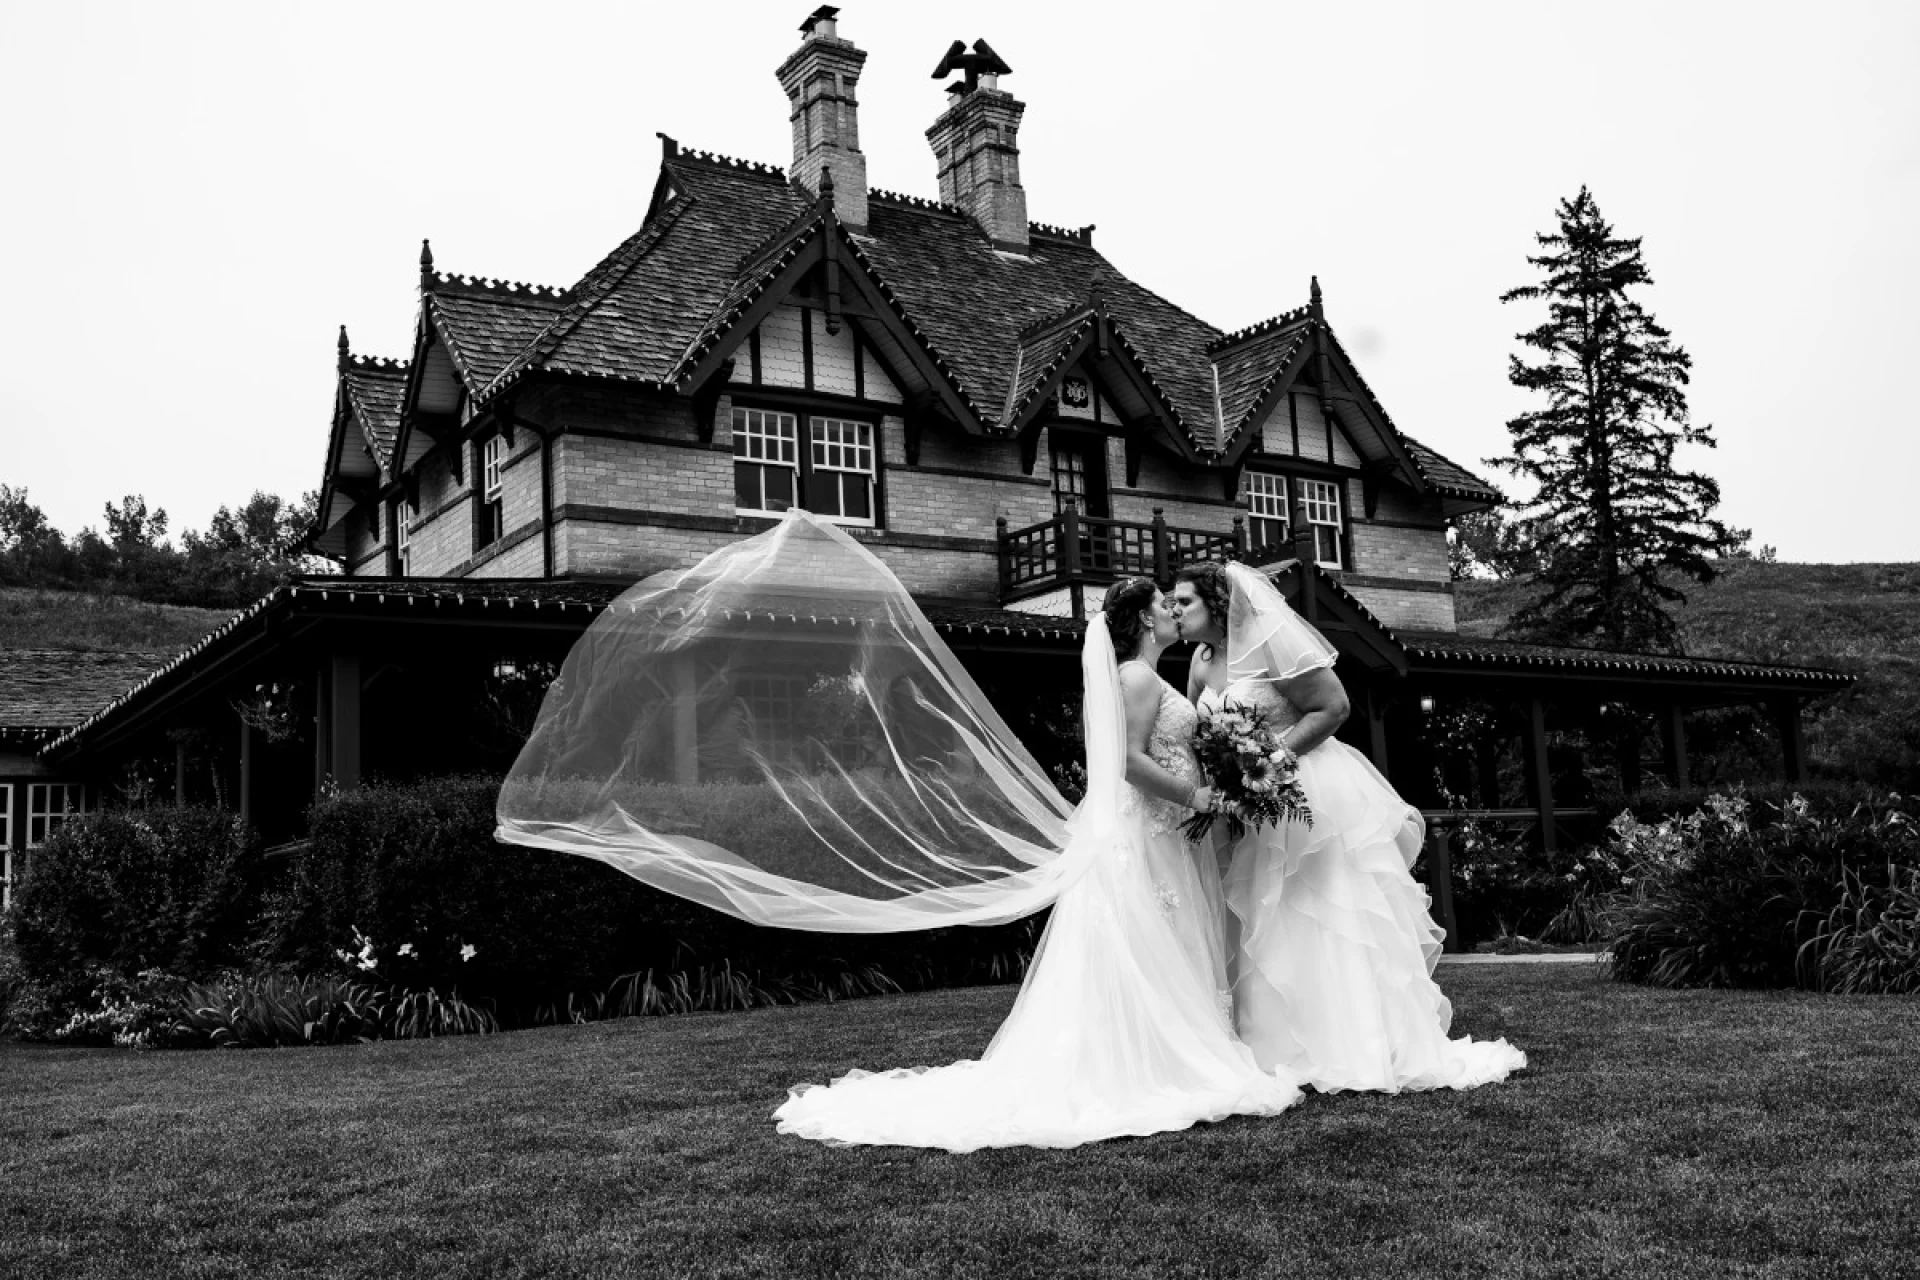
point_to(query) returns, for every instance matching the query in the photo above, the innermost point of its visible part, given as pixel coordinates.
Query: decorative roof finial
(346, 352)
(1314, 306)
(426, 265)
(982, 61)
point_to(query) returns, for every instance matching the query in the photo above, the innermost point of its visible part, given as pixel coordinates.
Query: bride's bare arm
(1322, 702)
(1141, 690)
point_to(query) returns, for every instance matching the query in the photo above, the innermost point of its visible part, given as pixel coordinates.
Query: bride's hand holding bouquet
(1254, 775)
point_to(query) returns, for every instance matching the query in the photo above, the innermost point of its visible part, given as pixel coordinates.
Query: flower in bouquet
(1255, 778)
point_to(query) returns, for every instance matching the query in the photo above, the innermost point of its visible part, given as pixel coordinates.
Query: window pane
(858, 500)
(779, 488)
(746, 486)
(1327, 544)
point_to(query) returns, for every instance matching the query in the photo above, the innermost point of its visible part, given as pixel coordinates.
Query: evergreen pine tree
(1615, 523)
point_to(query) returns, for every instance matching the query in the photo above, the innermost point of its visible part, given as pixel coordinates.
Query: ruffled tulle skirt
(1333, 963)
(1121, 1028)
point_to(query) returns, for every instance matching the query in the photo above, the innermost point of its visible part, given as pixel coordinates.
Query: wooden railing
(1073, 548)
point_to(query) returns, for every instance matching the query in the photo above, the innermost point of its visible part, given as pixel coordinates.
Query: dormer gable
(360, 445)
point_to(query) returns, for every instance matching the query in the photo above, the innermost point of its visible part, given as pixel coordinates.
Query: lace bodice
(1281, 714)
(1171, 747)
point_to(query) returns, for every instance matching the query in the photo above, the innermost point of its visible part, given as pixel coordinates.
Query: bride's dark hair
(1211, 584)
(1125, 602)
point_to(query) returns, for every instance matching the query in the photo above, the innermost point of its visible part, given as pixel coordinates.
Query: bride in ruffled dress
(1335, 951)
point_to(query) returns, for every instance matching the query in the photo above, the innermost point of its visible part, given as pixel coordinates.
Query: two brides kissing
(1178, 979)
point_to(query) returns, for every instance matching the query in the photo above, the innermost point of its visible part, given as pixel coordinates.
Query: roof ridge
(1269, 325)
(1063, 345)
(488, 285)
(1037, 327)
(914, 202)
(1077, 235)
(377, 364)
(714, 160)
(761, 274)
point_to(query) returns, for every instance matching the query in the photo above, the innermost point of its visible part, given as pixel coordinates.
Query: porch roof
(97, 705)
(47, 690)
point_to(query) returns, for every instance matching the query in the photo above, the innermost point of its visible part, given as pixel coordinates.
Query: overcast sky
(198, 195)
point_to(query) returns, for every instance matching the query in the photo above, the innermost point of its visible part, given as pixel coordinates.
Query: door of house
(1080, 485)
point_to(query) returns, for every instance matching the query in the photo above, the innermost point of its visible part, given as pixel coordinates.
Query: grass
(1658, 1133)
(32, 618)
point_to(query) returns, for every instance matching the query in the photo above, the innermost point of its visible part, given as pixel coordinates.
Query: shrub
(406, 885)
(123, 893)
(1870, 940)
(241, 1011)
(1735, 895)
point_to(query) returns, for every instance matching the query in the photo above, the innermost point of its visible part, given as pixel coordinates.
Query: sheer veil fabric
(778, 733)
(1336, 949)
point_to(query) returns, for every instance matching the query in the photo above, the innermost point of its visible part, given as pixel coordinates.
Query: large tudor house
(1005, 418)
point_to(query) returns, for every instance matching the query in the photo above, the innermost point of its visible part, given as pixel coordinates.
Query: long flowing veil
(1266, 639)
(779, 733)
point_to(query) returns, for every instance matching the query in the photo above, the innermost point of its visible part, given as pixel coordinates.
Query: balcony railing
(1071, 550)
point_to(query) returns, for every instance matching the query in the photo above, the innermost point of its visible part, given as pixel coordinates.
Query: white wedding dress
(1333, 965)
(1121, 1028)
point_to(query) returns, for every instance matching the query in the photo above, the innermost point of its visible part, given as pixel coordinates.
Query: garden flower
(406, 949)
(468, 951)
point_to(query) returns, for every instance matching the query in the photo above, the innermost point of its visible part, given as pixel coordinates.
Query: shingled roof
(374, 388)
(486, 323)
(49, 690)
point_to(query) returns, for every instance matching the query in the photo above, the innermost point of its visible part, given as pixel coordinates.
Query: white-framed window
(490, 514)
(766, 460)
(49, 805)
(841, 483)
(1267, 510)
(1322, 501)
(6, 845)
(836, 475)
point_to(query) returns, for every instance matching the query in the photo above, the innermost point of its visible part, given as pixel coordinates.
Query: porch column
(1377, 728)
(180, 773)
(343, 715)
(686, 725)
(245, 797)
(1440, 881)
(1540, 775)
(1676, 744)
(1793, 742)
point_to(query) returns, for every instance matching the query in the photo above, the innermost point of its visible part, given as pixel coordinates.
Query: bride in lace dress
(1122, 1025)
(1335, 951)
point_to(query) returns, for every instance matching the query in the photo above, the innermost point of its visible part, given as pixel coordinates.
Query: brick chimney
(974, 143)
(819, 79)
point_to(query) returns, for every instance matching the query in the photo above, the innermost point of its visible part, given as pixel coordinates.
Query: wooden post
(1377, 728)
(1793, 742)
(180, 773)
(246, 773)
(1069, 525)
(1162, 552)
(322, 727)
(343, 704)
(1305, 551)
(1676, 744)
(1239, 536)
(686, 724)
(1539, 773)
(1440, 882)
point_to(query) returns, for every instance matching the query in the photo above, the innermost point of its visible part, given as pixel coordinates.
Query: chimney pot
(975, 145)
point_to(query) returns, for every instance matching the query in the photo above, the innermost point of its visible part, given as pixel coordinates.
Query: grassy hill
(81, 622)
(1863, 619)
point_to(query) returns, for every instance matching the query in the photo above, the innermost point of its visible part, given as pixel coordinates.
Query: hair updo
(1211, 584)
(1125, 602)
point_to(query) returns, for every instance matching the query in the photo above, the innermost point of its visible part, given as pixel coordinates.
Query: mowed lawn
(1656, 1134)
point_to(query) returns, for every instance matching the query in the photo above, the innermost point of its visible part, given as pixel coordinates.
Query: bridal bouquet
(1255, 778)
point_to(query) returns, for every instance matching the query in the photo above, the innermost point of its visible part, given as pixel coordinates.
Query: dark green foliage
(416, 867)
(244, 552)
(263, 1010)
(125, 892)
(1739, 895)
(1614, 521)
